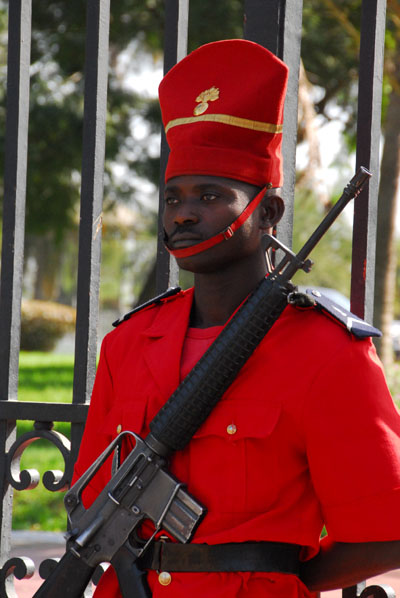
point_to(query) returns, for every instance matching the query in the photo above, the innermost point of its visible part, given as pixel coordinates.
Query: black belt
(246, 556)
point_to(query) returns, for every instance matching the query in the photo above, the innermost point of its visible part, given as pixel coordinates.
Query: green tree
(56, 111)
(137, 26)
(335, 70)
(386, 250)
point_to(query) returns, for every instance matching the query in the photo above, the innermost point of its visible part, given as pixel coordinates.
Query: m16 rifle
(142, 488)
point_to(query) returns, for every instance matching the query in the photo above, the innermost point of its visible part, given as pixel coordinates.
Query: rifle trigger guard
(72, 499)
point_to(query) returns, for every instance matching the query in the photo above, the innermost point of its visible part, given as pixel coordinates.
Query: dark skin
(196, 208)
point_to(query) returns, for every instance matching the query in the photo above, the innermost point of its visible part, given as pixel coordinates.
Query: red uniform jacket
(316, 440)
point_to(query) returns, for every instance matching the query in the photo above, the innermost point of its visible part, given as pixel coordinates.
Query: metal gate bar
(368, 139)
(94, 137)
(175, 48)
(16, 142)
(277, 26)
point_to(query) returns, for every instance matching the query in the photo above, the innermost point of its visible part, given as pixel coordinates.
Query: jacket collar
(164, 341)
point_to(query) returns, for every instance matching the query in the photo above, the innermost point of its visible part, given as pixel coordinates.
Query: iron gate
(275, 24)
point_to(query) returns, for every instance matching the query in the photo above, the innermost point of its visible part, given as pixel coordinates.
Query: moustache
(180, 229)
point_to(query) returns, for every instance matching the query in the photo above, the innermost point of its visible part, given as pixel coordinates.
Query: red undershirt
(197, 341)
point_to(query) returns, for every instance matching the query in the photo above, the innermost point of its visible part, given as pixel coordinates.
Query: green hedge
(43, 323)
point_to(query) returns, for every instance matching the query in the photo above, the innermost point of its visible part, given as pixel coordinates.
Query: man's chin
(196, 264)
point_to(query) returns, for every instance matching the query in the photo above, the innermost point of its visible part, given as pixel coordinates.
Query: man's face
(196, 207)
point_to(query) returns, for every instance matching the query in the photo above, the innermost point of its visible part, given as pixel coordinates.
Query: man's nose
(186, 214)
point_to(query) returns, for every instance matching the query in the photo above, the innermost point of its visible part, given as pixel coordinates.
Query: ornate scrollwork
(361, 590)
(46, 567)
(24, 568)
(19, 567)
(27, 479)
(381, 591)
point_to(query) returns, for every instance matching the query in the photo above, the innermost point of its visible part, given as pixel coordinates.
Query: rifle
(142, 488)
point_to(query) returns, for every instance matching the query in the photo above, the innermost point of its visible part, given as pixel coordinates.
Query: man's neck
(218, 295)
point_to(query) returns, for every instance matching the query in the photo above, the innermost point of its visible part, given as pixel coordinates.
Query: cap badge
(209, 95)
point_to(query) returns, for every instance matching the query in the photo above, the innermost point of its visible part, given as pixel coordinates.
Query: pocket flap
(240, 418)
(126, 415)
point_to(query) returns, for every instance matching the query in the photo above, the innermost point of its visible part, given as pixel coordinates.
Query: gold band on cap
(226, 119)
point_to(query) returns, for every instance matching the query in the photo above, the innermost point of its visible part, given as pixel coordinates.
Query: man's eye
(209, 197)
(169, 201)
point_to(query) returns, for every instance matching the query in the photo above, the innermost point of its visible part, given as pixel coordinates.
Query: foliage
(137, 27)
(125, 258)
(56, 98)
(211, 21)
(393, 379)
(332, 256)
(397, 283)
(56, 108)
(43, 323)
(334, 72)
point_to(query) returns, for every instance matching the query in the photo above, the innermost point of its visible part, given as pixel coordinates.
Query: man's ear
(273, 208)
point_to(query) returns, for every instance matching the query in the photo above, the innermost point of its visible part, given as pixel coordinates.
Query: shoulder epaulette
(353, 323)
(168, 293)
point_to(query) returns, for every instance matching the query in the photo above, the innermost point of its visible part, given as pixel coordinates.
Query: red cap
(222, 109)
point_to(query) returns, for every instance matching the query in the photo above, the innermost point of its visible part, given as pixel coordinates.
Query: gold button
(231, 429)
(165, 578)
(119, 429)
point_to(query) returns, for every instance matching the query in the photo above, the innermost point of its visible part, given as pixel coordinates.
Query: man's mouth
(177, 240)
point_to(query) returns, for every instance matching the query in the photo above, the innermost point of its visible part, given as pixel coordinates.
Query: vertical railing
(276, 24)
(175, 48)
(13, 235)
(94, 136)
(44, 414)
(368, 140)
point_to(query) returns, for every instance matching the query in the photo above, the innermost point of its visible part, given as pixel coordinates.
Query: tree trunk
(149, 287)
(312, 176)
(47, 255)
(385, 274)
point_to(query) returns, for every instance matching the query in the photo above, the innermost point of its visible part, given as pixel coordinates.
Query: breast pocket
(233, 463)
(127, 415)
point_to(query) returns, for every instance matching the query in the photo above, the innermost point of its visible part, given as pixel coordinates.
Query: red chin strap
(223, 235)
